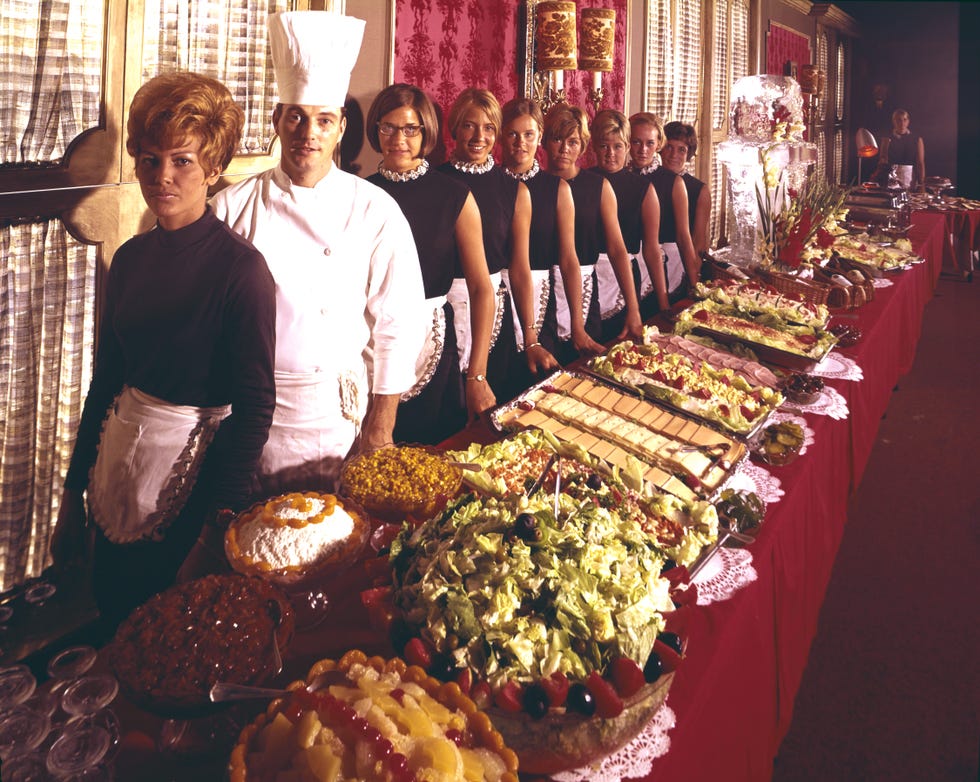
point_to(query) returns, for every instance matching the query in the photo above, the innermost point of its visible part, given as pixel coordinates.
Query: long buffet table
(733, 694)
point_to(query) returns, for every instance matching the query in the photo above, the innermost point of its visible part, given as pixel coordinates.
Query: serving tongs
(731, 532)
(536, 486)
(222, 692)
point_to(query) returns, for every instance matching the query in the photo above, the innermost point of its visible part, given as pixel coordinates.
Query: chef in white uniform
(349, 290)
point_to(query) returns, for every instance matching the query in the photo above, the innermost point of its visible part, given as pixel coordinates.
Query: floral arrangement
(797, 226)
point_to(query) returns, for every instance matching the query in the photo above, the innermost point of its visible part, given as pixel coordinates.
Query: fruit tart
(374, 720)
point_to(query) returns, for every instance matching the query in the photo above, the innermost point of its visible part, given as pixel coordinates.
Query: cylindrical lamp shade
(554, 38)
(598, 38)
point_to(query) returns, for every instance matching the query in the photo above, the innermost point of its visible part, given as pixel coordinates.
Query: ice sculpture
(765, 153)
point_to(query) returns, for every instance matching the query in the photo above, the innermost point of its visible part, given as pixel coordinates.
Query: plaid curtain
(51, 71)
(47, 319)
(224, 39)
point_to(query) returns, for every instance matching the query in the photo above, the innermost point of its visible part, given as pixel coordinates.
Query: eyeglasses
(408, 131)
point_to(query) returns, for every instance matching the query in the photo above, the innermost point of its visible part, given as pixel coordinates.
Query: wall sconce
(867, 146)
(811, 80)
(554, 50)
(596, 49)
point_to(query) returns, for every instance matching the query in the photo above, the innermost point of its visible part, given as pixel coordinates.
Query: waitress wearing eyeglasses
(403, 126)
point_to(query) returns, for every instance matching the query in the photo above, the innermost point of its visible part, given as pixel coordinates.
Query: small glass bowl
(17, 684)
(21, 732)
(72, 662)
(39, 593)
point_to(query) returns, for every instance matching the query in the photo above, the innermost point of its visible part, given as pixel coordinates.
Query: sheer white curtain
(224, 39)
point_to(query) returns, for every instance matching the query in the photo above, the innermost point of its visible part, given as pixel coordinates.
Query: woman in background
(904, 148)
(505, 210)
(552, 239)
(183, 389)
(566, 134)
(403, 126)
(639, 220)
(680, 148)
(681, 263)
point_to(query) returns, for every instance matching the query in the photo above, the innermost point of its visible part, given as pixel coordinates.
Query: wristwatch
(477, 378)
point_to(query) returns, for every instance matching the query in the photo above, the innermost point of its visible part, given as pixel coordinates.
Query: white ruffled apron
(434, 340)
(561, 303)
(459, 298)
(540, 291)
(318, 416)
(673, 265)
(611, 299)
(148, 460)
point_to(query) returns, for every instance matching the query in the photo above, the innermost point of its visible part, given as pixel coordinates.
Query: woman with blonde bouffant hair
(183, 391)
(566, 135)
(639, 219)
(474, 121)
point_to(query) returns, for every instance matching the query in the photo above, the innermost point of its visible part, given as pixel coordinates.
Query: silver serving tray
(499, 413)
(767, 353)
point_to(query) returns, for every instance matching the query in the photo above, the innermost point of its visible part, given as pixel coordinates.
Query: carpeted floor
(891, 690)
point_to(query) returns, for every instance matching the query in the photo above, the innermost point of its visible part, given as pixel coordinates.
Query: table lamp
(866, 147)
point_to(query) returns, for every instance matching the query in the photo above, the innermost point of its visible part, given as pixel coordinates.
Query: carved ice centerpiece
(765, 154)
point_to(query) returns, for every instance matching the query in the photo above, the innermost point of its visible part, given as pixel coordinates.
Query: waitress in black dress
(639, 220)
(403, 126)
(566, 134)
(505, 209)
(552, 240)
(681, 262)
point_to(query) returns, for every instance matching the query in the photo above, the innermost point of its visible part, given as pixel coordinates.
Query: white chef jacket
(348, 295)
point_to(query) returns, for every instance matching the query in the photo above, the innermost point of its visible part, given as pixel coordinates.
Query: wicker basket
(857, 273)
(810, 290)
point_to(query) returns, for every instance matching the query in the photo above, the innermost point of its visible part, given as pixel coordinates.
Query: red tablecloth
(733, 695)
(961, 237)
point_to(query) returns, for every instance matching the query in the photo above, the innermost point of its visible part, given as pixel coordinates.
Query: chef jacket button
(326, 251)
(323, 311)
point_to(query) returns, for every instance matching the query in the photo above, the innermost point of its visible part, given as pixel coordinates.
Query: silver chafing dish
(878, 206)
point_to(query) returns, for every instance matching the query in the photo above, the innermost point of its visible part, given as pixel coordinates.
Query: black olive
(594, 482)
(672, 640)
(653, 668)
(400, 634)
(669, 564)
(526, 525)
(580, 699)
(444, 667)
(535, 701)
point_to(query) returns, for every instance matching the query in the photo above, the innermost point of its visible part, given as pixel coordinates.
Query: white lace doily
(838, 367)
(881, 282)
(633, 760)
(728, 570)
(830, 402)
(751, 477)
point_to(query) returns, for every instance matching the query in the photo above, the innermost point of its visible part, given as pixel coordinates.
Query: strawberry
(465, 680)
(418, 652)
(556, 688)
(510, 697)
(668, 656)
(626, 675)
(608, 704)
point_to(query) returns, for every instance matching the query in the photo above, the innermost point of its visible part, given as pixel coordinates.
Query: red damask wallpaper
(784, 46)
(445, 46)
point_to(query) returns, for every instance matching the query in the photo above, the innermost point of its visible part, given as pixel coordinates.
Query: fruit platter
(645, 442)
(720, 395)
(772, 338)
(877, 256)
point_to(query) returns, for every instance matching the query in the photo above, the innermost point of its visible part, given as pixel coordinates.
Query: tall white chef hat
(313, 53)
